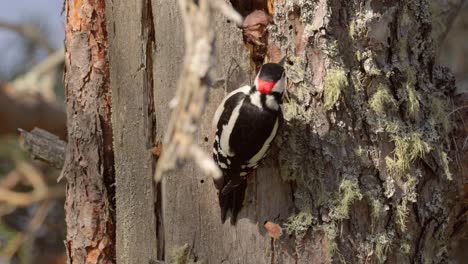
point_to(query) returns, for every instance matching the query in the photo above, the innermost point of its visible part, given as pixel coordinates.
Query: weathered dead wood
(131, 47)
(190, 208)
(45, 146)
(193, 86)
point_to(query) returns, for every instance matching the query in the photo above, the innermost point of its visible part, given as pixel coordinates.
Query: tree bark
(88, 167)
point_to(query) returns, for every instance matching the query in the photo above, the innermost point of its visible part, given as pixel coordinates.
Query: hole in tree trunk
(256, 14)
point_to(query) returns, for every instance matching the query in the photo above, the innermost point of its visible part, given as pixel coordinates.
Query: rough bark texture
(367, 135)
(362, 172)
(131, 39)
(89, 163)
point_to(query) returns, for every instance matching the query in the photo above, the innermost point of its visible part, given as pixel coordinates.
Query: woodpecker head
(270, 78)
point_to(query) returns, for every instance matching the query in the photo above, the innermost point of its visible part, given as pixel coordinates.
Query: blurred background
(32, 226)
(32, 221)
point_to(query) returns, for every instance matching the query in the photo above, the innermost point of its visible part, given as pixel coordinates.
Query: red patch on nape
(265, 87)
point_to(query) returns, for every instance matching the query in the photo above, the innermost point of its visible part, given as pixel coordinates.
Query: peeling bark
(89, 167)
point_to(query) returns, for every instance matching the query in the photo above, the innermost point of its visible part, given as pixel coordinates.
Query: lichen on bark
(367, 108)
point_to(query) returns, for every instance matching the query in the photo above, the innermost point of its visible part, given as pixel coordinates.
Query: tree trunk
(133, 120)
(362, 170)
(89, 167)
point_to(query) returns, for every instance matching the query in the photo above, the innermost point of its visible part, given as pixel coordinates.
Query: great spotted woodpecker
(246, 123)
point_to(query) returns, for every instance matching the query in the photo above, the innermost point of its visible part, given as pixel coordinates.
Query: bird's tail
(231, 197)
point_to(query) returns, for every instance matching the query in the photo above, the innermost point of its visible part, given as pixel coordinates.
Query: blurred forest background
(32, 226)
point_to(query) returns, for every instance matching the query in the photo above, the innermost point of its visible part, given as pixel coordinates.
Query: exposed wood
(132, 44)
(193, 87)
(89, 163)
(191, 212)
(45, 146)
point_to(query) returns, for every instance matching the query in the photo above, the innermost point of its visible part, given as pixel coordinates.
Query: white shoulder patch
(256, 100)
(244, 89)
(271, 102)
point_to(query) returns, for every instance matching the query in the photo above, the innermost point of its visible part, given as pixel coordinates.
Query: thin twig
(40, 191)
(458, 109)
(41, 78)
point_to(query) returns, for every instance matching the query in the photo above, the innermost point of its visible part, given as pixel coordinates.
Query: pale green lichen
(405, 248)
(409, 188)
(298, 224)
(401, 214)
(382, 99)
(445, 165)
(360, 151)
(352, 29)
(331, 232)
(371, 67)
(392, 126)
(407, 150)
(376, 209)
(335, 82)
(420, 147)
(348, 193)
(439, 114)
(413, 102)
(382, 245)
(180, 255)
(295, 69)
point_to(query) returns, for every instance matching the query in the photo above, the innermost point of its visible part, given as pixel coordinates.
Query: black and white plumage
(246, 123)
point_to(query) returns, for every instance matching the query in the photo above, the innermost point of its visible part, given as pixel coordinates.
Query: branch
(31, 32)
(20, 199)
(28, 112)
(192, 90)
(45, 146)
(41, 192)
(29, 100)
(41, 78)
